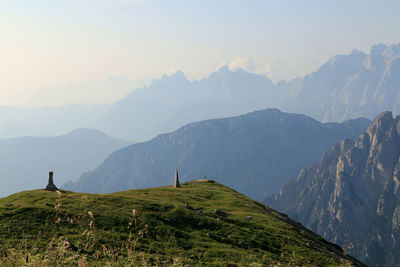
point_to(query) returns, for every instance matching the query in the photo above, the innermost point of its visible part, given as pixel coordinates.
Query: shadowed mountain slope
(253, 153)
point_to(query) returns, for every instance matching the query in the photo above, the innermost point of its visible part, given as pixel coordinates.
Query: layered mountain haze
(253, 153)
(174, 101)
(25, 161)
(164, 106)
(348, 86)
(170, 133)
(351, 197)
(48, 121)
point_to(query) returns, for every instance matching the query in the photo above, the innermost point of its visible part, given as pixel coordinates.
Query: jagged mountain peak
(177, 76)
(378, 49)
(351, 195)
(175, 80)
(223, 69)
(353, 60)
(168, 103)
(349, 86)
(381, 124)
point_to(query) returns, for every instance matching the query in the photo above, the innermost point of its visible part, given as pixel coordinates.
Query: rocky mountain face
(348, 86)
(26, 161)
(253, 153)
(352, 196)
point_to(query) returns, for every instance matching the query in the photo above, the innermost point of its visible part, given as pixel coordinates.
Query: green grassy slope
(201, 223)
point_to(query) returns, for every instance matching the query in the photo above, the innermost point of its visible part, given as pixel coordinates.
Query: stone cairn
(51, 186)
(176, 182)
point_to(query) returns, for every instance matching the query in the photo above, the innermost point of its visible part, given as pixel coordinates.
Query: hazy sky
(93, 51)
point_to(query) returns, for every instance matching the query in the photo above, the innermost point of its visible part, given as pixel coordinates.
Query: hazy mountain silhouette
(253, 153)
(173, 101)
(26, 161)
(48, 121)
(347, 86)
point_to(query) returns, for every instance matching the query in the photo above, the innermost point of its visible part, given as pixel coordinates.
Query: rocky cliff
(351, 197)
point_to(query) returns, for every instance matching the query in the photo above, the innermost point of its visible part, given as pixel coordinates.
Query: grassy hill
(201, 223)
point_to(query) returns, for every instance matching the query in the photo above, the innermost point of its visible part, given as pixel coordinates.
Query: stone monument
(51, 186)
(176, 183)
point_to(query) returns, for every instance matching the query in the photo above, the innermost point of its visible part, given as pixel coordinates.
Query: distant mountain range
(253, 153)
(174, 101)
(351, 197)
(348, 86)
(48, 121)
(26, 161)
(164, 106)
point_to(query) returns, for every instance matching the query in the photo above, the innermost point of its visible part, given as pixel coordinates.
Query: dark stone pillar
(176, 183)
(51, 186)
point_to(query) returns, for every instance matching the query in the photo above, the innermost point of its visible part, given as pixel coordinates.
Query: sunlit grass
(200, 223)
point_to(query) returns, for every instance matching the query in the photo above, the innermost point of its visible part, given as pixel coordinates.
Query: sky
(95, 51)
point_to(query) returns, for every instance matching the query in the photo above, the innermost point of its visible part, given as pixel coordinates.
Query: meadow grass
(201, 223)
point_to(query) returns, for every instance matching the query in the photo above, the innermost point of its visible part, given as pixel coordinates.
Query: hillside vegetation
(201, 223)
